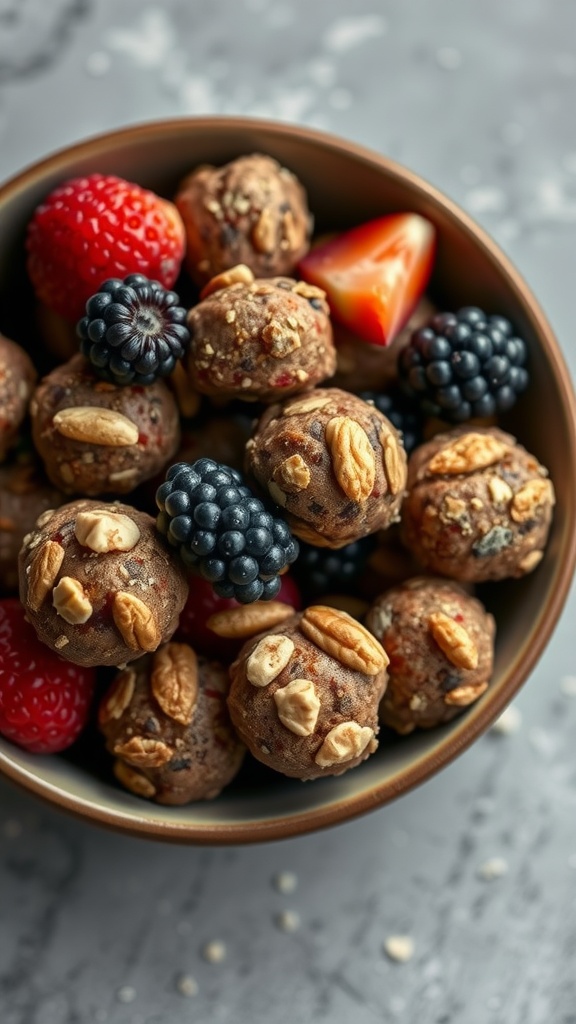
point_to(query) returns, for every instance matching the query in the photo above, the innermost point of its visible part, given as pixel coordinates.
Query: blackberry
(134, 331)
(323, 571)
(464, 364)
(223, 531)
(403, 413)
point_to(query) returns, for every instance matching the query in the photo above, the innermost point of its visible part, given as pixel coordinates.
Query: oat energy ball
(99, 584)
(256, 339)
(97, 438)
(304, 696)
(25, 493)
(250, 211)
(165, 719)
(440, 643)
(479, 506)
(334, 464)
(17, 379)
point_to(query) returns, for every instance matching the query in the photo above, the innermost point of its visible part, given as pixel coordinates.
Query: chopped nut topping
(305, 405)
(144, 752)
(134, 781)
(280, 340)
(298, 706)
(118, 697)
(499, 490)
(394, 462)
(277, 494)
(240, 274)
(453, 640)
(309, 291)
(467, 454)
(352, 457)
(45, 518)
(95, 425)
(104, 530)
(529, 498)
(268, 659)
(264, 232)
(135, 622)
(174, 681)
(344, 639)
(462, 696)
(249, 619)
(71, 602)
(344, 742)
(530, 561)
(292, 475)
(44, 569)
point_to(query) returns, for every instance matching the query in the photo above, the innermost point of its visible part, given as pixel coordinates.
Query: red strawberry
(98, 227)
(44, 700)
(203, 602)
(374, 274)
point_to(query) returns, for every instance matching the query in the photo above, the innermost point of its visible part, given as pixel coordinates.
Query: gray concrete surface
(478, 867)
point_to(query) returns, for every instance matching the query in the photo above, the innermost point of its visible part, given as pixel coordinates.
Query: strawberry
(203, 602)
(374, 274)
(99, 227)
(44, 700)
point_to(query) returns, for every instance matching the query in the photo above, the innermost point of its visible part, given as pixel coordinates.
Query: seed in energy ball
(134, 330)
(223, 531)
(465, 364)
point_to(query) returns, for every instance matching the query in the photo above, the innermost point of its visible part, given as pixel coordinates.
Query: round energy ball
(334, 464)
(165, 720)
(304, 696)
(479, 506)
(259, 339)
(440, 641)
(99, 584)
(98, 438)
(17, 379)
(250, 211)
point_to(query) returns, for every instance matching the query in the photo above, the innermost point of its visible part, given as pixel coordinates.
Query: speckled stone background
(478, 867)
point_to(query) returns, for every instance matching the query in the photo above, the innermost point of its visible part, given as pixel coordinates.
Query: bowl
(346, 185)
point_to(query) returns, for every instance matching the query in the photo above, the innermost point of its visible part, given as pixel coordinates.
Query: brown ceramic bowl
(346, 185)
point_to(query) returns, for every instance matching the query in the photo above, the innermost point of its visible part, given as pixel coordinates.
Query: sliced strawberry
(374, 274)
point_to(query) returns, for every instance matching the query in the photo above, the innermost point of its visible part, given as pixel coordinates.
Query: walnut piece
(468, 453)
(298, 706)
(462, 696)
(453, 640)
(352, 457)
(71, 601)
(44, 569)
(174, 681)
(143, 752)
(268, 659)
(104, 530)
(344, 742)
(344, 639)
(292, 475)
(527, 500)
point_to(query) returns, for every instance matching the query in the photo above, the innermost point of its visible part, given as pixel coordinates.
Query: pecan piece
(118, 697)
(467, 454)
(352, 457)
(174, 681)
(344, 639)
(249, 619)
(453, 640)
(133, 780)
(462, 696)
(44, 569)
(135, 622)
(144, 752)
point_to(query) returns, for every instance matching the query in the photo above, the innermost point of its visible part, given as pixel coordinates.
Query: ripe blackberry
(403, 413)
(223, 531)
(323, 571)
(464, 364)
(134, 331)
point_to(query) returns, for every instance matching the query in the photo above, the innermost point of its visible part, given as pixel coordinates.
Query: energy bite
(17, 379)
(99, 585)
(333, 462)
(250, 211)
(98, 438)
(259, 339)
(440, 641)
(165, 720)
(25, 494)
(304, 696)
(478, 507)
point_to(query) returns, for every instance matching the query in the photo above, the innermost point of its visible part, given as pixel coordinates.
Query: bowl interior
(346, 185)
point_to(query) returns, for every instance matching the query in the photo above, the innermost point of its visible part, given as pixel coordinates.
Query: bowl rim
(457, 740)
